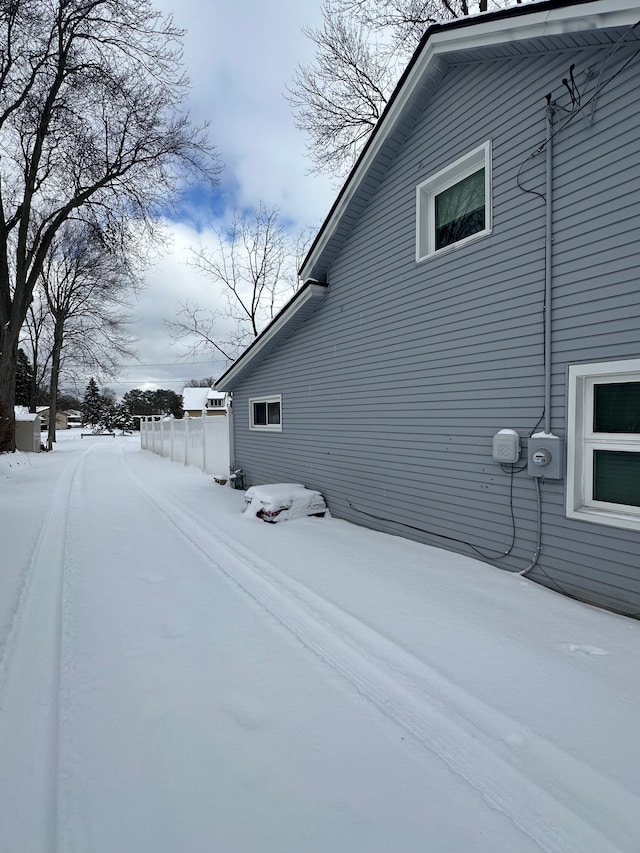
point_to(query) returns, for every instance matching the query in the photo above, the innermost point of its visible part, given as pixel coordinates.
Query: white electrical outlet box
(506, 446)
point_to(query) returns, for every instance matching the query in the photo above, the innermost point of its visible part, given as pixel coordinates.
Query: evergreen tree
(24, 377)
(137, 403)
(159, 402)
(107, 410)
(91, 404)
(123, 419)
(167, 402)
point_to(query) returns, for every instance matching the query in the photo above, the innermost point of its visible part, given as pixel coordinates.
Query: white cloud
(240, 57)
(170, 282)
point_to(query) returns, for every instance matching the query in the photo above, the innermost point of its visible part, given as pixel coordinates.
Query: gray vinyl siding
(393, 389)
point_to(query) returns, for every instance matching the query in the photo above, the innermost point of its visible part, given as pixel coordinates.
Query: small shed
(62, 419)
(27, 430)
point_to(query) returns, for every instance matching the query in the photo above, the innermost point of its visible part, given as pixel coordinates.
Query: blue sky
(240, 55)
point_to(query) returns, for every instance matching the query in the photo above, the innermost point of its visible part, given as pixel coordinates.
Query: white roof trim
(485, 32)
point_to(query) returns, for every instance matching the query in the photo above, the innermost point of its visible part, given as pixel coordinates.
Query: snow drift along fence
(201, 442)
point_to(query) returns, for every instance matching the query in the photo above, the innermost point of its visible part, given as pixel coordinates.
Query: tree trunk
(33, 393)
(58, 338)
(8, 361)
(12, 315)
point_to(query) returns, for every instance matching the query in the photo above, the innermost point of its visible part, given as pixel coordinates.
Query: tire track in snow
(515, 771)
(30, 674)
(24, 579)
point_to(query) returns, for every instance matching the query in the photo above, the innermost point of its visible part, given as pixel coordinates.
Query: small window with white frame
(603, 443)
(453, 207)
(265, 413)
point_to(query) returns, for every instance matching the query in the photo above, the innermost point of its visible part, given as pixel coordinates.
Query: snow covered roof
(22, 413)
(194, 398)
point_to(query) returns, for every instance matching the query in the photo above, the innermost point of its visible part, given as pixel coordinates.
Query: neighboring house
(74, 418)
(216, 402)
(62, 419)
(198, 401)
(472, 280)
(194, 401)
(27, 430)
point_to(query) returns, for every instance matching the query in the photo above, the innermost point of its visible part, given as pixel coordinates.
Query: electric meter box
(545, 456)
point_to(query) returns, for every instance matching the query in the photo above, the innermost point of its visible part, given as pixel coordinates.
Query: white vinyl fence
(201, 442)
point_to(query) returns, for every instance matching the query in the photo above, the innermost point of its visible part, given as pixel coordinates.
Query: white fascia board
(311, 290)
(600, 15)
(482, 33)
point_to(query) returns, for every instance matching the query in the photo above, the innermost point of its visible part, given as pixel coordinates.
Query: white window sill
(453, 247)
(628, 521)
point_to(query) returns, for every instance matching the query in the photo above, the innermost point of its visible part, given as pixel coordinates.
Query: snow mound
(283, 501)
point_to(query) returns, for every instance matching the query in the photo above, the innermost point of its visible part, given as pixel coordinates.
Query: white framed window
(265, 413)
(453, 207)
(603, 443)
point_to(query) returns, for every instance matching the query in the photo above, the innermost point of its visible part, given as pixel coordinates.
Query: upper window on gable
(454, 206)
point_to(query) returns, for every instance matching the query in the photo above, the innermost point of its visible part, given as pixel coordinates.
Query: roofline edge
(310, 289)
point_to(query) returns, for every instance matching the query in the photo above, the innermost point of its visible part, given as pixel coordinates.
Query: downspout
(548, 288)
(204, 439)
(232, 434)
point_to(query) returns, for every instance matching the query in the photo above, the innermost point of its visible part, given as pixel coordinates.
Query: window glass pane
(460, 210)
(616, 477)
(616, 407)
(274, 412)
(260, 414)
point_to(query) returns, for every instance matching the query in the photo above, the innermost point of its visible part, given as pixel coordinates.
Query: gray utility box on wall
(545, 456)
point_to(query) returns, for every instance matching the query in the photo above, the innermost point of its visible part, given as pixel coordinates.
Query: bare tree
(338, 99)
(254, 263)
(87, 286)
(90, 95)
(360, 52)
(205, 382)
(37, 339)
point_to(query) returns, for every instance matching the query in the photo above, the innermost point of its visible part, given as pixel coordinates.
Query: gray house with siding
(462, 364)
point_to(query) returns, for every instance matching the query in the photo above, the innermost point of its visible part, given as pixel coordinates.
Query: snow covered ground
(179, 677)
